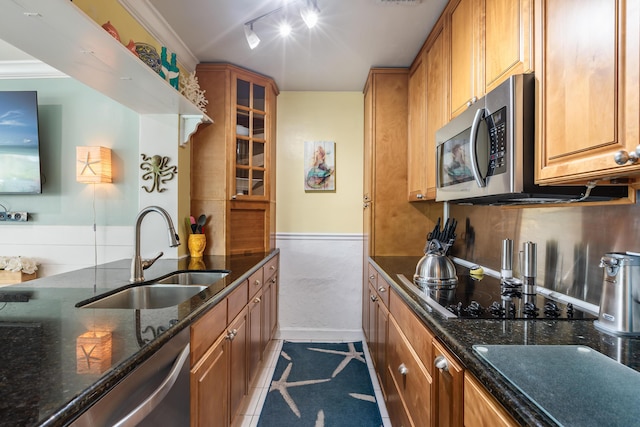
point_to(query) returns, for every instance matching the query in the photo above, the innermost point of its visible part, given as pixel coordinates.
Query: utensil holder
(196, 244)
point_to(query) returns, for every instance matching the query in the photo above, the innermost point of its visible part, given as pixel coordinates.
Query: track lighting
(309, 13)
(252, 37)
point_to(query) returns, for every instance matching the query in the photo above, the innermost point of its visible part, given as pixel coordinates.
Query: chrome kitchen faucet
(137, 263)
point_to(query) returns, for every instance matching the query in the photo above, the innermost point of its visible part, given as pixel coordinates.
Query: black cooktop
(491, 298)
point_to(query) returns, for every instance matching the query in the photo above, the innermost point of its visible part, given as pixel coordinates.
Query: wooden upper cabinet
(465, 24)
(417, 149)
(508, 41)
(588, 68)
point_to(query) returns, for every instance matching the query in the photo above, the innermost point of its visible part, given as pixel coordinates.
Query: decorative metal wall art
(157, 169)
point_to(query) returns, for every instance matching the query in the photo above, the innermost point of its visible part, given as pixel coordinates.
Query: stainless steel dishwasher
(154, 394)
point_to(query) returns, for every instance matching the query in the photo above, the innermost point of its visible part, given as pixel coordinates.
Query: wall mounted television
(19, 143)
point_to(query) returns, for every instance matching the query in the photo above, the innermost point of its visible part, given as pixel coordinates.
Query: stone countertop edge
(454, 332)
(69, 412)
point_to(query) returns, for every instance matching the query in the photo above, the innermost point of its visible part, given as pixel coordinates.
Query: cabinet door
(417, 150)
(587, 61)
(508, 26)
(437, 61)
(382, 321)
(255, 334)
(481, 409)
(447, 389)
(371, 332)
(466, 54)
(237, 362)
(210, 387)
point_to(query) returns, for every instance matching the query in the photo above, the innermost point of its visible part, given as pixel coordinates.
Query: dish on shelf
(242, 130)
(149, 55)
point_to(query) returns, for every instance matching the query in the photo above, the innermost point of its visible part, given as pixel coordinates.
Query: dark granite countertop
(459, 336)
(39, 379)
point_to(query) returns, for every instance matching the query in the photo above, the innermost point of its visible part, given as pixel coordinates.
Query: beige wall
(319, 116)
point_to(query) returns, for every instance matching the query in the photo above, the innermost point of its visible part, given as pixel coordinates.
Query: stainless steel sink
(192, 278)
(148, 297)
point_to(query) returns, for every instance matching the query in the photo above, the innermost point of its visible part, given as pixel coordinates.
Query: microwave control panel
(497, 125)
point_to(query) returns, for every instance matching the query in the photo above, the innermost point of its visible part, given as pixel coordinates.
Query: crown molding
(152, 21)
(28, 69)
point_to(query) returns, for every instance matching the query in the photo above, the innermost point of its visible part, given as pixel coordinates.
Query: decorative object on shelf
(149, 55)
(319, 166)
(109, 28)
(169, 69)
(18, 264)
(190, 88)
(93, 352)
(132, 47)
(93, 165)
(197, 243)
(157, 169)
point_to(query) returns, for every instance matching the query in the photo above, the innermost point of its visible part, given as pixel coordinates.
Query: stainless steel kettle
(620, 299)
(435, 270)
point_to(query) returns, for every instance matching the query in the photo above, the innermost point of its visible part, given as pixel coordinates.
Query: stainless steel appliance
(486, 154)
(155, 394)
(620, 298)
(487, 297)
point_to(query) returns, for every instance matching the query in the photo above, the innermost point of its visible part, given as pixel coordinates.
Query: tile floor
(250, 412)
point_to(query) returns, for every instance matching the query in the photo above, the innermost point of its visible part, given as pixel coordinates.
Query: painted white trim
(28, 69)
(320, 236)
(152, 21)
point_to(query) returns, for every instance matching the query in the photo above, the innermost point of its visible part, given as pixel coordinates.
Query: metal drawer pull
(232, 334)
(403, 369)
(382, 289)
(134, 417)
(257, 300)
(257, 283)
(442, 363)
(372, 277)
(374, 298)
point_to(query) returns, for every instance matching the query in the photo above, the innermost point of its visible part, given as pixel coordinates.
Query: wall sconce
(93, 165)
(93, 352)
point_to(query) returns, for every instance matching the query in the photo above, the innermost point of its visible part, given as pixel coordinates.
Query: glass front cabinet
(233, 160)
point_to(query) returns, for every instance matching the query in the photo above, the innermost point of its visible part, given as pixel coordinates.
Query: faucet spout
(137, 263)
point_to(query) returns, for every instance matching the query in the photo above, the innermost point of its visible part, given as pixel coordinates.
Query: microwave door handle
(473, 148)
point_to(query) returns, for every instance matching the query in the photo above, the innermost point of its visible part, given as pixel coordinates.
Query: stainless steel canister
(620, 298)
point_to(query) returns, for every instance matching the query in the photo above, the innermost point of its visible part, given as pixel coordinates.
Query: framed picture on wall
(319, 166)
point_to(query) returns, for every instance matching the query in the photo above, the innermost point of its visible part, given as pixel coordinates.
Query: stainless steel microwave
(486, 154)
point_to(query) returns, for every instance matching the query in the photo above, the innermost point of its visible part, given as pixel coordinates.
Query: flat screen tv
(19, 143)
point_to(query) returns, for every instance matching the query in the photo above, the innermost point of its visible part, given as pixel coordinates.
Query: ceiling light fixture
(309, 13)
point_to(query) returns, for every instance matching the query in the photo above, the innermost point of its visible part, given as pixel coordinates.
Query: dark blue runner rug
(321, 385)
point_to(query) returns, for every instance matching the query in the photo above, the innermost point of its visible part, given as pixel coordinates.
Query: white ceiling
(351, 37)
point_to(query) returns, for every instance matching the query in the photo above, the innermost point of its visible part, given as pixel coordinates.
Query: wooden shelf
(60, 34)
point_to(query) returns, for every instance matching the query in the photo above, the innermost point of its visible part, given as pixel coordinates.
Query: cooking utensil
(202, 219)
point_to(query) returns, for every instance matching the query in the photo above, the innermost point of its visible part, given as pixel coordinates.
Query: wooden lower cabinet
(481, 409)
(227, 347)
(448, 377)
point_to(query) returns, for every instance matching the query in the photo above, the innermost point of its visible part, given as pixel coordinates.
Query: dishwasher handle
(134, 417)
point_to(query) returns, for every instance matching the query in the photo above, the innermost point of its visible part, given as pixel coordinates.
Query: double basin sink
(168, 291)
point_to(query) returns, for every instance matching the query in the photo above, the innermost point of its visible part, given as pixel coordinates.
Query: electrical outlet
(16, 216)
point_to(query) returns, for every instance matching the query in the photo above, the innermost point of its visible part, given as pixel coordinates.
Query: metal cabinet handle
(257, 300)
(273, 267)
(134, 417)
(382, 289)
(372, 277)
(273, 280)
(257, 283)
(622, 157)
(365, 205)
(442, 363)
(232, 334)
(419, 196)
(374, 298)
(403, 369)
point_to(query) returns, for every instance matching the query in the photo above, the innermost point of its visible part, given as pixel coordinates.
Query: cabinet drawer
(207, 329)
(373, 276)
(481, 409)
(410, 376)
(237, 300)
(383, 289)
(417, 334)
(397, 412)
(255, 282)
(271, 268)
